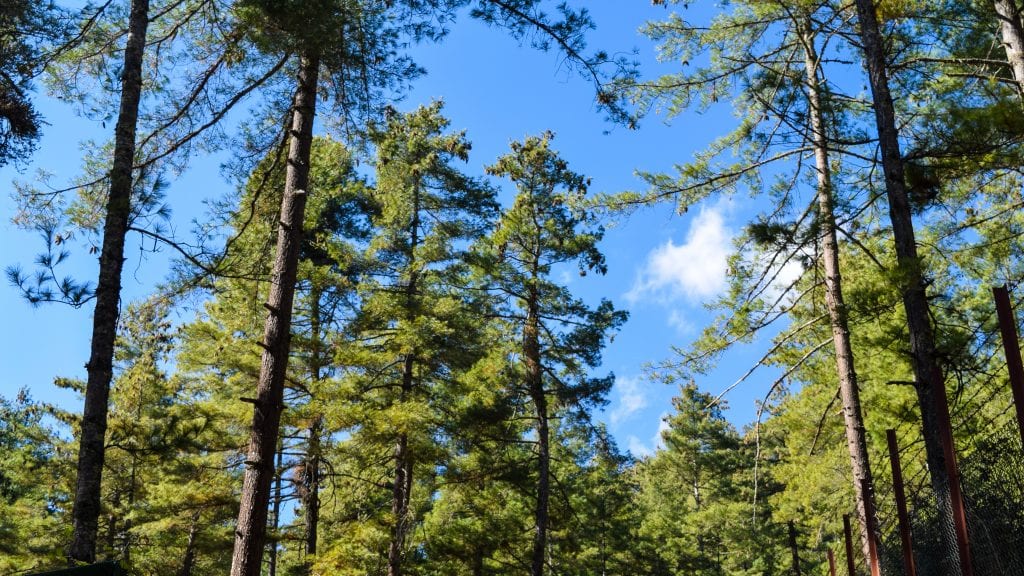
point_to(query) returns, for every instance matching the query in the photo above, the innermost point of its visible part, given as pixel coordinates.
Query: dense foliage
(372, 362)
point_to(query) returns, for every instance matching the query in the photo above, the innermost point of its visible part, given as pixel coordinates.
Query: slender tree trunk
(478, 561)
(403, 459)
(275, 518)
(251, 528)
(1011, 31)
(86, 507)
(849, 393)
(188, 562)
(928, 375)
(311, 500)
(311, 504)
(126, 545)
(535, 383)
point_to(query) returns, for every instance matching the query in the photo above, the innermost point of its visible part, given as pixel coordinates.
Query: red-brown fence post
(1011, 347)
(831, 563)
(848, 535)
(906, 542)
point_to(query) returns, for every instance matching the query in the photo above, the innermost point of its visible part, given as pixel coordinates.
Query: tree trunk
(311, 478)
(250, 532)
(535, 383)
(86, 508)
(1011, 31)
(794, 549)
(275, 518)
(849, 393)
(402, 487)
(189, 560)
(311, 502)
(478, 561)
(929, 380)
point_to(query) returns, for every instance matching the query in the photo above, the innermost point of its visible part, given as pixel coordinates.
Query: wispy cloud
(678, 320)
(694, 270)
(639, 448)
(658, 440)
(631, 397)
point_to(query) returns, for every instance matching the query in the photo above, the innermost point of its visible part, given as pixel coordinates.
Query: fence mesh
(992, 478)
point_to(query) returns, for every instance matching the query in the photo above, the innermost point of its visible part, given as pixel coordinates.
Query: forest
(368, 357)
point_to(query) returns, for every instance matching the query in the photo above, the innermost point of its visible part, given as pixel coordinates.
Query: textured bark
(535, 384)
(251, 528)
(929, 381)
(849, 393)
(86, 507)
(1011, 32)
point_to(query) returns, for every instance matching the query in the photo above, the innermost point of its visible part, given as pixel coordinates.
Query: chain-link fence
(992, 477)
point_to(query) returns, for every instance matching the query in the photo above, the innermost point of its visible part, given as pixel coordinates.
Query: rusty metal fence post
(1011, 347)
(906, 541)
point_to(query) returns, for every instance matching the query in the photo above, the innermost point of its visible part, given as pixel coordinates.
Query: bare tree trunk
(1011, 31)
(849, 393)
(189, 561)
(250, 532)
(535, 383)
(86, 508)
(927, 372)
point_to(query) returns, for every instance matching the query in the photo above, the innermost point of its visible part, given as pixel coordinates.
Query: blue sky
(662, 267)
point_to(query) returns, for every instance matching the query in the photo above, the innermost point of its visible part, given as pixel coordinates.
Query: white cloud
(790, 272)
(632, 398)
(695, 269)
(638, 448)
(679, 321)
(658, 440)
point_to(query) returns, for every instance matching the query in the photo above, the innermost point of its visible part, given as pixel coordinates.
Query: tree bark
(929, 380)
(535, 384)
(1011, 32)
(250, 532)
(849, 393)
(86, 507)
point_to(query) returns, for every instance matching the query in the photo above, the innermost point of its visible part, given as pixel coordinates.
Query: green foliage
(27, 29)
(35, 482)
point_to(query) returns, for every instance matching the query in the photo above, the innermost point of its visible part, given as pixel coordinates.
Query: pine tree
(561, 336)
(760, 51)
(928, 375)
(26, 29)
(417, 329)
